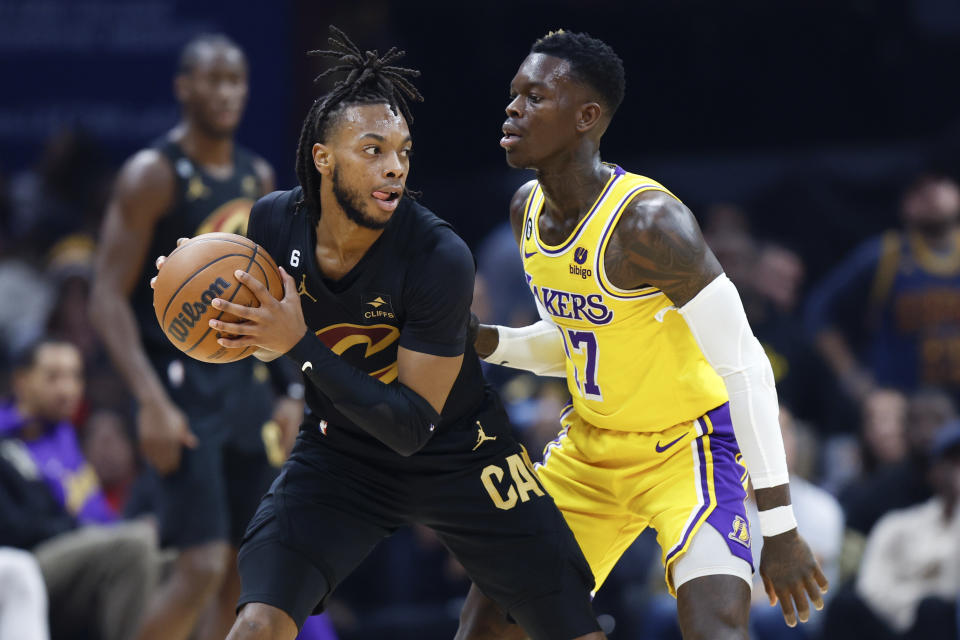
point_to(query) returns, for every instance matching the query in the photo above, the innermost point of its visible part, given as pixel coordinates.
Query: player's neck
(212, 152)
(341, 242)
(572, 186)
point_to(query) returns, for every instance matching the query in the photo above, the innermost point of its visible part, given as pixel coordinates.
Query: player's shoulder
(432, 240)
(271, 217)
(263, 170)
(146, 178)
(277, 203)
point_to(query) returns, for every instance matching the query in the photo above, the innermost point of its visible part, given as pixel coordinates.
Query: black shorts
(327, 511)
(214, 493)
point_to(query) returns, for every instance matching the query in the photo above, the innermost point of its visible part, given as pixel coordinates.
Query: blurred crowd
(866, 359)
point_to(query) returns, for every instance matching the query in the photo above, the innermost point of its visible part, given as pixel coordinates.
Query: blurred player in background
(653, 341)
(199, 424)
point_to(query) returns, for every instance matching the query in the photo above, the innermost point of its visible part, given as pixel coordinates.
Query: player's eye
(371, 150)
(534, 98)
(513, 96)
(407, 152)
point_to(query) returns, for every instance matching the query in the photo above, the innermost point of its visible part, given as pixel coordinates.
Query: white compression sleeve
(538, 348)
(719, 324)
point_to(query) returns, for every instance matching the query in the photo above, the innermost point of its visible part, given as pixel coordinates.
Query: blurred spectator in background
(108, 447)
(501, 269)
(64, 195)
(98, 578)
(23, 597)
(889, 315)
(883, 436)
(904, 483)
(820, 521)
(910, 575)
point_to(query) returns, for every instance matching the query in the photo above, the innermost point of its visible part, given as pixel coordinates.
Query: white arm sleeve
(719, 324)
(537, 348)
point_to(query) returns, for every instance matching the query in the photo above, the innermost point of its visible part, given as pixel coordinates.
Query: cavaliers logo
(378, 361)
(230, 217)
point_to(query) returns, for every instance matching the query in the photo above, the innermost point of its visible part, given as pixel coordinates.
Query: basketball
(198, 271)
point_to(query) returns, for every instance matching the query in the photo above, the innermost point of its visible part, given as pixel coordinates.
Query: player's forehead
(377, 121)
(541, 69)
(218, 57)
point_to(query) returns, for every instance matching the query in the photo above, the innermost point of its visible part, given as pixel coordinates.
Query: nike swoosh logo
(528, 255)
(668, 445)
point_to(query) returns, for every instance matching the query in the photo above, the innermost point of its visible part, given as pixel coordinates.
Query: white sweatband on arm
(719, 324)
(778, 520)
(537, 348)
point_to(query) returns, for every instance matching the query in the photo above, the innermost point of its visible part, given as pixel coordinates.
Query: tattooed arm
(657, 243)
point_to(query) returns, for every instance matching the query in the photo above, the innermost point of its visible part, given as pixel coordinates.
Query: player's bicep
(143, 193)
(430, 376)
(437, 300)
(658, 243)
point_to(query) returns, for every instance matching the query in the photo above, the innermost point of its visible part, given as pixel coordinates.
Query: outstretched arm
(657, 243)
(537, 348)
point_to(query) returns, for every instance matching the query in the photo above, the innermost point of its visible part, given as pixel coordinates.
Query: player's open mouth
(387, 199)
(510, 136)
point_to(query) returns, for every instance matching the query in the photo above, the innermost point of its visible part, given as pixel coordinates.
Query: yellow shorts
(611, 485)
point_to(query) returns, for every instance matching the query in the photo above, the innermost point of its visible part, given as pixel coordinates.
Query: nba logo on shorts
(580, 255)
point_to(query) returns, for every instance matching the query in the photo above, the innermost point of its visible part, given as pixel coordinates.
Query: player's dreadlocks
(592, 62)
(371, 79)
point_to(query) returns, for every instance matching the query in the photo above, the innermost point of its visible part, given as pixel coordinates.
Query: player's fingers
(180, 241)
(289, 285)
(813, 590)
(238, 328)
(239, 310)
(159, 261)
(768, 587)
(786, 605)
(189, 439)
(821, 579)
(263, 295)
(153, 282)
(801, 603)
(237, 343)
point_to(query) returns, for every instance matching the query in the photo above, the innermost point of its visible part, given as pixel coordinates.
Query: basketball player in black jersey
(400, 426)
(199, 424)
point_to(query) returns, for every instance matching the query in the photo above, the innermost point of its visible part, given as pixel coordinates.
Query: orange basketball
(198, 271)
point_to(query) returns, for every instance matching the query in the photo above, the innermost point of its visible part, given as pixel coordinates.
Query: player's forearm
(719, 324)
(537, 348)
(393, 414)
(487, 340)
(113, 319)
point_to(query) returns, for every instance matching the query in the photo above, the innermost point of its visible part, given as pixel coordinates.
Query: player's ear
(588, 116)
(322, 159)
(180, 88)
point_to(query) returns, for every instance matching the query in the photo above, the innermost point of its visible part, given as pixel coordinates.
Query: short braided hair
(592, 62)
(371, 79)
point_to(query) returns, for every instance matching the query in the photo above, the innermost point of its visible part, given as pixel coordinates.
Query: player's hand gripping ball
(200, 270)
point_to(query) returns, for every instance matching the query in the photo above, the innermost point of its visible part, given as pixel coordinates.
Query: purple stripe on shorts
(729, 517)
(704, 488)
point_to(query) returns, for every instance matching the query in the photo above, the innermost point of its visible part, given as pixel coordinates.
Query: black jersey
(203, 204)
(413, 288)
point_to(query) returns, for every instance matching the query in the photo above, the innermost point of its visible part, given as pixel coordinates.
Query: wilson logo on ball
(191, 312)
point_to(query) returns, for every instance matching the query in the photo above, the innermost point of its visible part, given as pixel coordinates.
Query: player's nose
(394, 167)
(513, 108)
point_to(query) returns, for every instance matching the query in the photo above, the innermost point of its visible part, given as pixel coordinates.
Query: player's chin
(516, 159)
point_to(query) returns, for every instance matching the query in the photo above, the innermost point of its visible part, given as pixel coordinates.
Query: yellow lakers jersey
(632, 363)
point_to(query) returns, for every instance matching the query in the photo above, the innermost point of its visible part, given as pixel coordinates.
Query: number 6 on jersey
(587, 379)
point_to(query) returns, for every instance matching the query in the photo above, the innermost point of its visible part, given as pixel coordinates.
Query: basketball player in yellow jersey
(669, 385)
